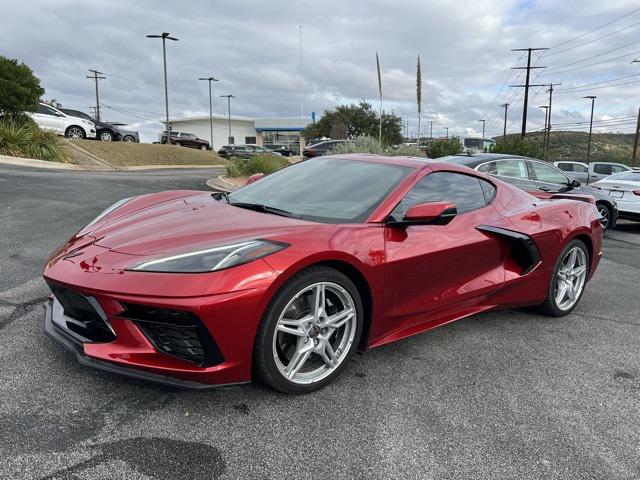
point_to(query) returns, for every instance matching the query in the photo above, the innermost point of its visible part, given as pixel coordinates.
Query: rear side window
(567, 167)
(465, 191)
(603, 168)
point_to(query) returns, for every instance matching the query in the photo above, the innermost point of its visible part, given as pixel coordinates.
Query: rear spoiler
(579, 198)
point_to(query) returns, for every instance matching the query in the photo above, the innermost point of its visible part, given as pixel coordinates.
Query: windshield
(328, 190)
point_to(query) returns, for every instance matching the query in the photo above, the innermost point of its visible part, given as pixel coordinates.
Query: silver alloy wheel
(604, 213)
(76, 133)
(128, 139)
(203, 147)
(571, 278)
(106, 136)
(314, 333)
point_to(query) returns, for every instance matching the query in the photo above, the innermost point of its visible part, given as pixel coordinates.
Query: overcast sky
(252, 47)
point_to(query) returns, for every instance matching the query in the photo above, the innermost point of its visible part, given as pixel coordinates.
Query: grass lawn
(120, 154)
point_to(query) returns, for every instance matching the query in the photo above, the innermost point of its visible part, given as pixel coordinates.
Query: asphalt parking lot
(500, 395)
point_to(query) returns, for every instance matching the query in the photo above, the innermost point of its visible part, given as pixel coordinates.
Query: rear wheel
(106, 136)
(75, 133)
(309, 331)
(129, 139)
(568, 280)
(203, 147)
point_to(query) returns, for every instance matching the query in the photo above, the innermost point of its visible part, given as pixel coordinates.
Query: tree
(356, 120)
(516, 145)
(20, 89)
(443, 147)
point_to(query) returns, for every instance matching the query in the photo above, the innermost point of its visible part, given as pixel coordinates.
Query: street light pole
(165, 36)
(483, 122)
(544, 138)
(506, 109)
(593, 99)
(229, 97)
(210, 79)
(447, 129)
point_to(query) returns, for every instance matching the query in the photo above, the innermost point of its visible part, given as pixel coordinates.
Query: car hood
(187, 223)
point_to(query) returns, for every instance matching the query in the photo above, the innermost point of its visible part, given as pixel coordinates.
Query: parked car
(540, 179)
(590, 173)
(50, 118)
(129, 135)
(282, 150)
(104, 131)
(285, 279)
(184, 139)
(322, 148)
(244, 151)
(624, 188)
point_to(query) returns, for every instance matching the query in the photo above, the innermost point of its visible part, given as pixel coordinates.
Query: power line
(599, 83)
(602, 86)
(591, 41)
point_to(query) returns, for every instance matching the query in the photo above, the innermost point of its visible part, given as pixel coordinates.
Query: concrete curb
(33, 163)
(219, 183)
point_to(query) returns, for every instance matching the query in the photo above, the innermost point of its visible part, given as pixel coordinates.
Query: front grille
(87, 322)
(174, 332)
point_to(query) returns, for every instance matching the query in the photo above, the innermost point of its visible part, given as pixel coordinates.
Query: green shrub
(258, 164)
(21, 137)
(443, 147)
(516, 145)
(367, 144)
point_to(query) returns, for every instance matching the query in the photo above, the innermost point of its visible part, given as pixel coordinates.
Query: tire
(129, 139)
(75, 133)
(605, 213)
(203, 148)
(106, 136)
(557, 307)
(323, 351)
(178, 144)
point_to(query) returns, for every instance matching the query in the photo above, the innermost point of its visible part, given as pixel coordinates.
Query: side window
(580, 168)
(548, 174)
(489, 167)
(465, 191)
(617, 169)
(567, 167)
(602, 168)
(512, 168)
(43, 109)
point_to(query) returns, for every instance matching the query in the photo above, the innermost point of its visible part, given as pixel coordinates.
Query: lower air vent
(174, 332)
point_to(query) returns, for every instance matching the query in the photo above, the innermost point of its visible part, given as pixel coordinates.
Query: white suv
(49, 118)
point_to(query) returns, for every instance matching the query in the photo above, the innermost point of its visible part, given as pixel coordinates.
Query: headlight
(106, 212)
(212, 259)
(87, 122)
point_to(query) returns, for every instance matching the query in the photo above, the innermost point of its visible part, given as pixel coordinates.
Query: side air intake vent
(522, 247)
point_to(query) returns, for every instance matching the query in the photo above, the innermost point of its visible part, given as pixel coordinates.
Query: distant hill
(607, 147)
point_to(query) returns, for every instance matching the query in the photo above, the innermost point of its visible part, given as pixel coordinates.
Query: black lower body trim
(75, 347)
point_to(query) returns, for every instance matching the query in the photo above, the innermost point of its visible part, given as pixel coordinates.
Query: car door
(549, 179)
(433, 271)
(49, 118)
(510, 170)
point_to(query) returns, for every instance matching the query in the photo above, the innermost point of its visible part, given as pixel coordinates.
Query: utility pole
(546, 113)
(97, 76)
(526, 85)
(165, 36)
(634, 157)
(447, 129)
(548, 139)
(506, 109)
(229, 97)
(210, 79)
(483, 122)
(593, 100)
(431, 129)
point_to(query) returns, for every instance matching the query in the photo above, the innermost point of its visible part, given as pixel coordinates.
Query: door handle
(545, 189)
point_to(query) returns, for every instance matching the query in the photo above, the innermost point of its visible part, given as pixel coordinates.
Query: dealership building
(261, 131)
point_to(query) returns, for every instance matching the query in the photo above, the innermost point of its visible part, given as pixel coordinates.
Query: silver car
(590, 173)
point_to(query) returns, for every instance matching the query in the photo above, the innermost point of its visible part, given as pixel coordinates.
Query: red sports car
(286, 277)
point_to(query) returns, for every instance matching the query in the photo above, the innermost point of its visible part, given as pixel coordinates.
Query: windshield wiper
(264, 208)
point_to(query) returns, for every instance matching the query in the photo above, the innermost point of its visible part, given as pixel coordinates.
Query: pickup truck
(590, 173)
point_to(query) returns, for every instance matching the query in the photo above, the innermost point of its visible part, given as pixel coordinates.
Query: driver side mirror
(574, 183)
(432, 213)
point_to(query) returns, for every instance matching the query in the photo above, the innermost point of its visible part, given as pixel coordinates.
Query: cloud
(252, 47)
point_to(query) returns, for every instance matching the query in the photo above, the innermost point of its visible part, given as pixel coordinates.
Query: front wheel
(178, 144)
(309, 331)
(605, 216)
(106, 136)
(75, 133)
(203, 148)
(568, 280)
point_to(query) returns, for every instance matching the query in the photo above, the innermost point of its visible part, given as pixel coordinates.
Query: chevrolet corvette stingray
(285, 278)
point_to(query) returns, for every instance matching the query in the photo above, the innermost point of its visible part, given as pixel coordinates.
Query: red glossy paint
(417, 278)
